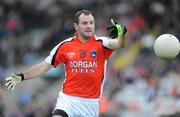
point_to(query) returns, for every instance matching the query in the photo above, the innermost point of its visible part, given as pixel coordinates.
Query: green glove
(116, 30)
(12, 80)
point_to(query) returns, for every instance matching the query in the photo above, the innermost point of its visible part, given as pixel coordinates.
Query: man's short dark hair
(85, 12)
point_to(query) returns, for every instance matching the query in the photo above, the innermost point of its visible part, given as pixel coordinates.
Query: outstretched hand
(12, 80)
(116, 30)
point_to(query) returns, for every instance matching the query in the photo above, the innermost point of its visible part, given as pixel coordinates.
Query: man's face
(86, 26)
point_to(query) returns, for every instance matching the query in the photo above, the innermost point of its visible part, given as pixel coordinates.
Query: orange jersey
(84, 64)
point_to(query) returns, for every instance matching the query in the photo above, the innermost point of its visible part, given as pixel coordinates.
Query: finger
(114, 31)
(110, 27)
(8, 83)
(111, 34)
(114, 36)
(124, 29)
(9, 75)
(12, 88)
(14, 75)
(8, 78)
(112, 21)
(9, 87)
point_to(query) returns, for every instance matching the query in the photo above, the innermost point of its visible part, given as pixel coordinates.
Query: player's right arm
(54, 59)
(36, 70)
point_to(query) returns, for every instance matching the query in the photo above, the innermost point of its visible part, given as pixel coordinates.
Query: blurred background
(138, 84)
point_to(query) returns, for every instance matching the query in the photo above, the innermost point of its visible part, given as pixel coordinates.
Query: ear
(75, 26)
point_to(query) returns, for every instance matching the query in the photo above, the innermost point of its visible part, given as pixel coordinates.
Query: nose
(89, 25)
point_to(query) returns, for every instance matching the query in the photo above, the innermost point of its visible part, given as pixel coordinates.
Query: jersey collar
(78, 40)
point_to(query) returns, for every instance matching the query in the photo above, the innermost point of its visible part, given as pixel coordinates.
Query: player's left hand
(12, 80)
(116, 30)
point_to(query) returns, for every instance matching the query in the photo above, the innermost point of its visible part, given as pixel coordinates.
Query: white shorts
(77, 106)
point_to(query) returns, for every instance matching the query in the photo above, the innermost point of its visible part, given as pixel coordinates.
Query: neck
(82, 39)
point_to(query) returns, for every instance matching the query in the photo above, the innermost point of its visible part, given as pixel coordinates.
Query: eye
(84, 23)
(91, 22)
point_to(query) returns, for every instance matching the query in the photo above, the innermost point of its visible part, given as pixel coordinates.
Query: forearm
(13, 79)
(36, 70)
(117, 43)
(122, 41)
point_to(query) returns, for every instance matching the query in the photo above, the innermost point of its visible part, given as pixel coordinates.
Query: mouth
(88, 31)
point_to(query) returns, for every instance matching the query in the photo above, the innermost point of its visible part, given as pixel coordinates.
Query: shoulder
(61, 44)
(104, 40)
(64, 42)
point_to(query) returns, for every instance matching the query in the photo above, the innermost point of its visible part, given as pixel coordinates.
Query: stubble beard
(87, 36)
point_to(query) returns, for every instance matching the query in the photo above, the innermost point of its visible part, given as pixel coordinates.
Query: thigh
(77, 107)
(86, 109)
(64, 104)
(57, 116)
(59, 113)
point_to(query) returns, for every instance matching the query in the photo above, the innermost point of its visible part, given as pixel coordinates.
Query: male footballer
(84, 56)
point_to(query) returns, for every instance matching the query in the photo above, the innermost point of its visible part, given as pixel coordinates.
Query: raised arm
(117, 43)
(118, 35)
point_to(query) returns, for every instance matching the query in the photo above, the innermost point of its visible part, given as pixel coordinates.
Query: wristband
(21, 75)
(119, 29)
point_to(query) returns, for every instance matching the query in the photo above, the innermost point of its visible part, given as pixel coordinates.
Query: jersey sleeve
(108, 53)
(56, 56)
(107, 50)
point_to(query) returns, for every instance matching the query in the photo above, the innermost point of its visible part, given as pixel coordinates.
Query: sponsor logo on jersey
(93, 53)
(83, 67)
(70, 54)
(83, 71)
(83, 64)
(82, 53)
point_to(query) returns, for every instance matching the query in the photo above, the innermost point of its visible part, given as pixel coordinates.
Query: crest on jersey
(93, 53)
(82, 53)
